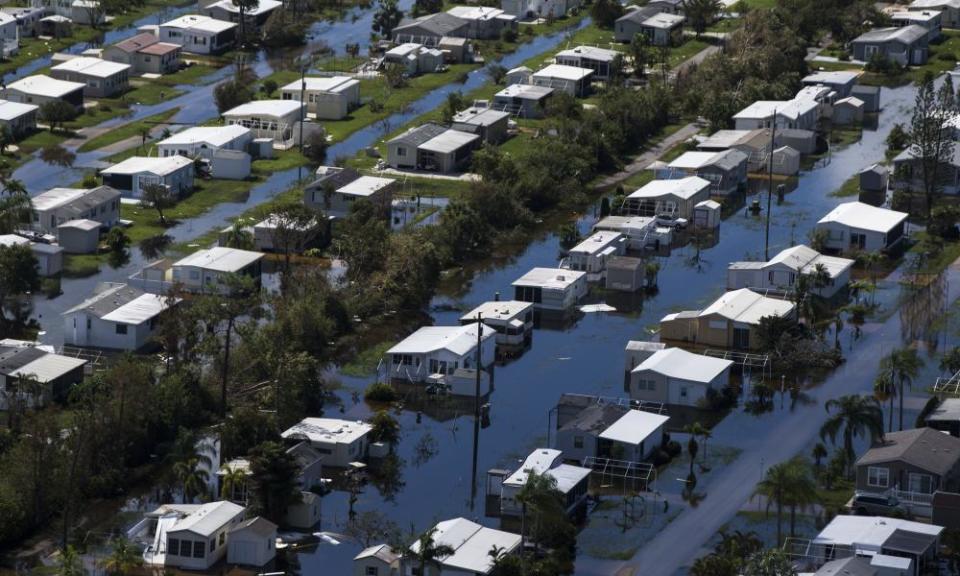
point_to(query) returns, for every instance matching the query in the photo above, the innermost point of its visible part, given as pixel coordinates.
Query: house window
(185, 547)
(173, 546)
(578, 441)
(198, 549)
(401, 151)
(223, 536)
(878, 477)
(922, 483)
(121, 328)
(194, 274)
(372, 571)
(683, 391)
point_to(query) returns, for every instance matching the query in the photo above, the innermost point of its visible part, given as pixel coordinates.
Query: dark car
(864, 503)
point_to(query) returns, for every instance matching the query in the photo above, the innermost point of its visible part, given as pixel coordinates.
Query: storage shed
(79, 236)
(252, 542)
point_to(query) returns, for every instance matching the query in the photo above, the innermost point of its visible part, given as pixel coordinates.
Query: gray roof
(596, 418)
(907, 35)
(257, 525)
(419, 135)
(864, 89)
(852, 566)
(11, 359)
(305, 454)
(439, 24)
(624, 263)
(640, 15)
(729, 159)
(336, 178)
(925, 448)
(911, 542)
(107, 299)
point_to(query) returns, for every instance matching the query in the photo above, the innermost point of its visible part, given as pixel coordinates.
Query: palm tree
(802, 492)
(191, 477)
(123, 559)
(426, 550)
(70, 563)
(692, 448)
(950, 361)
(238, 237)
(883, 389)
(698, 429)
(819, 452)
(534, 492)
(906, 364)
(856, 416)
(773, 488)
(739, 545)
(15, 206)
(232, 482)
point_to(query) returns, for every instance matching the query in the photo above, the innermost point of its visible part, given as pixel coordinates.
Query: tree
(931, 142)
(697, 429)
(123, 559)
(427, 7)
(819, 452)
(117, 240)
(237, 90)
(772, 562)
(282, 31)
(640, 54)
(884, 389)
(426, 551)
(452, 105)
(714, 565)
(386, 18)
(233, 482)
(57, 112)
(315, 146)
(775, 489)
(239, 237)
(153, 246)
(159, 198)
(273, 480)
(802, 492)
(191, 478)
(7, 138)
(70, 563)
(296, 226)
(701, 13)
(898, 139)
(692, 448)
(950, 361)
(19, 276)
(856, 416)
(244, 6)
(606, 12)
(903, 365)
(385, 428)
(15, 209)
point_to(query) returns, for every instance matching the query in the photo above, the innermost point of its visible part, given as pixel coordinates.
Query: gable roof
(724, 160)
(864, 217)
(91, 66)
(851, 566)
(590, 53)
(471, 544)
(685, 188)
(199, 23)
(906, 34)
(458, 340)
(258, 525)
(547, 462)
(804, 260)
(76, 200)
(664, 20)
(276, 108)
(43, 85)
(439, 24)
(208, 518)
(639, 15)
(382, 552)
(924, 448)
(327, 430)
(157, 165)
(683, 365)
(418, 135)
(869, 532)
(747, 306)
(634, 427)
(106, 299)
(220, 259)
(211, 135)
(136, 43)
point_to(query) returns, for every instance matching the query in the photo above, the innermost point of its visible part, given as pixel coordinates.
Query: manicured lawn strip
(188, 76)
(849, 188)
(125, 131)
(42, 139)
(144, 93)
(81, 265)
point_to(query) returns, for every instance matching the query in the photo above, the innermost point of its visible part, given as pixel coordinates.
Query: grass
(365, 363)
(753, 5)
(42, 139)
(188, 76)
(688, 49)
(145, 93)
(724, 25)
(943, 56)
(837, 497)
(845, 136)
(849, 188)
(81, 265)
(126, 131)
(939, 262)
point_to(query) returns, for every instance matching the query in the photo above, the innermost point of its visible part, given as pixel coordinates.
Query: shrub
(661, 457)
(509, 35)
(674, 449)
(380, 392)
(268, 87)
(947, 56)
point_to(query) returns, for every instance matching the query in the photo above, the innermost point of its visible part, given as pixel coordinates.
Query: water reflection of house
(730, 322)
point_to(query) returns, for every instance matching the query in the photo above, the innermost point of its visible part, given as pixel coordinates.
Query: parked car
(672, 222)
(864, 503)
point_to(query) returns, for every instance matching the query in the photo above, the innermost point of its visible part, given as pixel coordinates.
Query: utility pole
(773, 136)
(476, 412)
(303, 113)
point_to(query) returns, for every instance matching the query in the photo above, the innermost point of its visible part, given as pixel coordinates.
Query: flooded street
(585, 358)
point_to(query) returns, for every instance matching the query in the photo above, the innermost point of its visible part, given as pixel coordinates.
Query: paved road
(765, 440)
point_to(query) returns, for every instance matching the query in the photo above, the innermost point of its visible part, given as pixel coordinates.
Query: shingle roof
(138, 42)
(924, 448)
(419, 135)
(907, 34)
(439, 24)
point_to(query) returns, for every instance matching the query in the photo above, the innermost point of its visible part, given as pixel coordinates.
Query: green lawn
(365, 363)
(688, 49)
(126, 131)
(943, 56)
(754, 4)
(41, 139)
(724, 25)
(188, 76)
(143, 92)
(849, 188)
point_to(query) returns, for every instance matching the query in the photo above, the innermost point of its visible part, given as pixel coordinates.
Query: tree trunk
(779, 522)
(225, 370)
(793, 520)
(890, 416)
(901, 404)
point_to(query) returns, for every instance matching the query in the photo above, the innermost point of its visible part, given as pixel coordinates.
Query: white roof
(159, 165)
(365, 186)
(322, 84)
(57, 197)
(7, 18)
(261, 7)
(81, 224)
(471, 543)
(208, 518)
(590, 52)
(685, 188)
(924, 4)
(214, 136)
(915, 15)
(747, 306)
(791, 109)
(13, 110)
(199, 23)
(48, 367)
(14, 240)
(564, 72)
(634, 427)
(525, 92)
(139, 310)
(693, 160)
(459, 340)
(92, 66)
(852, 101)
(830, 77)
(597, 242)
(682, 365)
(404, 49)
(864, 217)
(275, 108)
(221, 259)
(804, 259)
(663, 20)
(480, 116)
(557, 278)
(328, 430)
(547, 461)
(499, 310)
(475, 12)
(708, 204)
(449, 141)
(43, 85)
(869, 531)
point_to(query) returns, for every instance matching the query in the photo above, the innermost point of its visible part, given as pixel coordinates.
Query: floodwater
(433, 482)
(39, 176)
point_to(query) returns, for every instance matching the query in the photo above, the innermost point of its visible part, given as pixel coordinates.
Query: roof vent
(561, 278)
